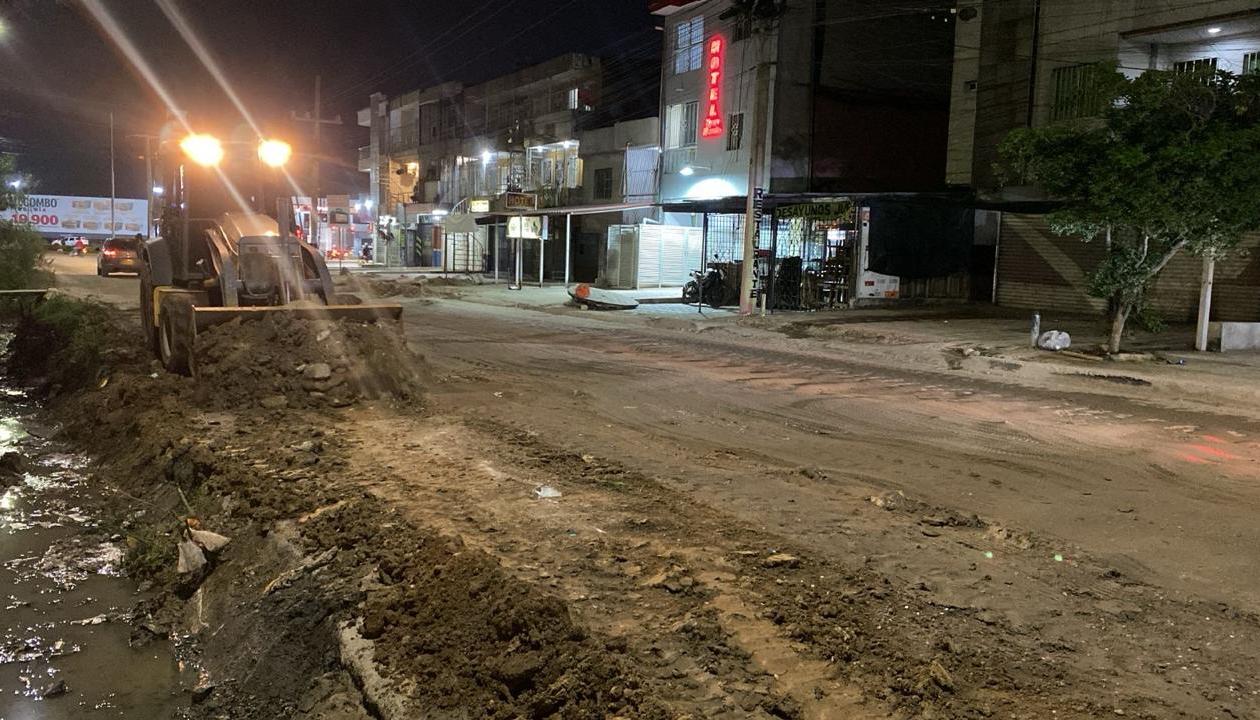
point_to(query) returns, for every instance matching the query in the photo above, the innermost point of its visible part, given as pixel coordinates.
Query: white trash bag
(1054, 340)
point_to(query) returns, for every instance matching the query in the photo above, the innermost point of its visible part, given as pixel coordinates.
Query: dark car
(118, 255)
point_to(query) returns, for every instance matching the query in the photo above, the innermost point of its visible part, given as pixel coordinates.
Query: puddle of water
(64, 602)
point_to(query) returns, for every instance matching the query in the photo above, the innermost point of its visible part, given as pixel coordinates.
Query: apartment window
(681, 121)
(573, 98)
(1251, 62)
(741, 29)
(1076, 92)
(688, 45)
(1199, 65)
(603, 184)
(734, 131)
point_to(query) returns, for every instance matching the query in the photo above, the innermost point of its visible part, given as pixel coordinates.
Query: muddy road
(1065, 527)
(600, 518)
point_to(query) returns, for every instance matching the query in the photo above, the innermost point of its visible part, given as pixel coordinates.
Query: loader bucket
(206, 317)
(181, 321)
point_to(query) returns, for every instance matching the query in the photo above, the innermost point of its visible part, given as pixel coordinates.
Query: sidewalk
(989, 341)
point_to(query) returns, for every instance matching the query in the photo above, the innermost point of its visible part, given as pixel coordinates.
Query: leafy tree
(1171, 164)
(21, 249)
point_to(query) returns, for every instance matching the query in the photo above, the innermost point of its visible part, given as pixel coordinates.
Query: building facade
(542, 138)
(1023, 63)
(857, 123)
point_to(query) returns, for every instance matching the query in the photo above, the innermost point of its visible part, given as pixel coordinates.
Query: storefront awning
(568, 210)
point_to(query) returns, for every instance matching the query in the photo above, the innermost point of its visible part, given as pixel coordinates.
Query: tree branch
(1176, 248)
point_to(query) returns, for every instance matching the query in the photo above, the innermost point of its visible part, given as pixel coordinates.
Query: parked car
(118, 255)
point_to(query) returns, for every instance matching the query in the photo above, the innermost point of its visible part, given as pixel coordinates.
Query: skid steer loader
(203, 272)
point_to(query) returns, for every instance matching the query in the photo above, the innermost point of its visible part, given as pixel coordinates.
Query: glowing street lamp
(205, 150)
(274, 153)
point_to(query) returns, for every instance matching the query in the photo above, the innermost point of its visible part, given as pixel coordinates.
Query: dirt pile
(281, 361)
(372, 287)
(467, 635)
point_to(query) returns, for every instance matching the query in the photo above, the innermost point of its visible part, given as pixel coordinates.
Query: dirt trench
(326, 603)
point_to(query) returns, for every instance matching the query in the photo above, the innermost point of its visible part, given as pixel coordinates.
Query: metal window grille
(690, 122)
(688, 44)
(735, 131)
(1076, 92)
(603, 183)
(1196, 66)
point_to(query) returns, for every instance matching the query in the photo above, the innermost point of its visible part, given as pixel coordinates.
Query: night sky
(61, 75)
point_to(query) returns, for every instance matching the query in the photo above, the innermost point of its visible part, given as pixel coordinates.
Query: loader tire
(175, 335)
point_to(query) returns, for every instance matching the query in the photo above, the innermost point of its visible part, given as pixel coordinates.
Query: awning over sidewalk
(491, 218)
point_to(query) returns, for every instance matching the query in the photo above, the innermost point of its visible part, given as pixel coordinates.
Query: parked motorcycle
(706, 286)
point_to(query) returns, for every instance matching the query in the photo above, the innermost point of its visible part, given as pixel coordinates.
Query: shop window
(603, 184)
(1076, 92)
(735, 131)
(1196, 66)
(1251, 62)
(688, 45)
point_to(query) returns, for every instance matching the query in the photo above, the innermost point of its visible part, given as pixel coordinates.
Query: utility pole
(752, 208)
(113, 194)
(763, 13)
(148, 173)
(316, 191)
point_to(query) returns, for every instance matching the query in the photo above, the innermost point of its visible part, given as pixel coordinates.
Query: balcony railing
(404, 137)
(678, 158)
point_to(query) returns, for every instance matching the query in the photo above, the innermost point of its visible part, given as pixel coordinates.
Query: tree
(21, 249)
(1171, 164)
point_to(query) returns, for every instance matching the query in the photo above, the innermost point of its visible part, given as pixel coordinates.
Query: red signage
(715, 61)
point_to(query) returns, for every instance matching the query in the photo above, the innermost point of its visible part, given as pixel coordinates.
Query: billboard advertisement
(69, 215)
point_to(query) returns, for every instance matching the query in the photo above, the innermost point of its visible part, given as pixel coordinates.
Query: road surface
(1057, 550)
(76, 274)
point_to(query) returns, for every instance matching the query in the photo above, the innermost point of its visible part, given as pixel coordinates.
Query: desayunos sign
(79, 215)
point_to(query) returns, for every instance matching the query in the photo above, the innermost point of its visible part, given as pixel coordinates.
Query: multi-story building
(1026, 63)
(519, 143)
(450, 142)
(857, 123)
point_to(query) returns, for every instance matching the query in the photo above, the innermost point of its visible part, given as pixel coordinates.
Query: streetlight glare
(158, 190)
(274, 153)
(202, 149)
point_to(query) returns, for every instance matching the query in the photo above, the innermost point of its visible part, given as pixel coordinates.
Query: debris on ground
(1054, 340)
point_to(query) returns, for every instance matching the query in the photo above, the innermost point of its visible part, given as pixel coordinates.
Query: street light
(205, 150)
(158, 190)
(274, 153)
(15, 184)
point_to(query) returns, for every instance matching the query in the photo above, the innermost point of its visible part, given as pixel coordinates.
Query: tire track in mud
(1101, 633)
(881, 623)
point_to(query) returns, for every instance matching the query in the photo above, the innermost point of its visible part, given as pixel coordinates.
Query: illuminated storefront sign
(715, 67)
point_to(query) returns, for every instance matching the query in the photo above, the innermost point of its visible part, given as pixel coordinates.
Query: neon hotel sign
(715, 64)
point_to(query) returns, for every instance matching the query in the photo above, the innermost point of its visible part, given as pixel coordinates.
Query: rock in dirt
(191, 558)
(209, 541)
(274, 402)
(53, 689)
(317, 372)
(779, 560)
(12, 463)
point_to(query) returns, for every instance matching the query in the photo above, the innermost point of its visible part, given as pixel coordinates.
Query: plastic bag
(1054, 340)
